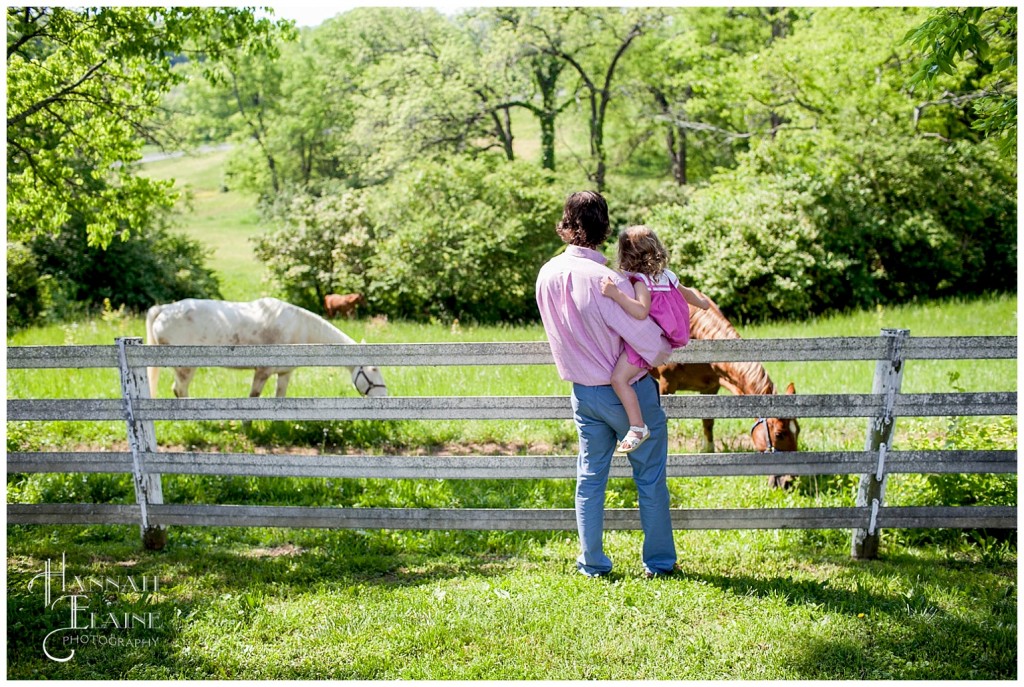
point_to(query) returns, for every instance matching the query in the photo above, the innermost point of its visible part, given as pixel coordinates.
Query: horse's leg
(709, 428)
(182, 378)
(282, 382)
(709, 435)
(259, 379)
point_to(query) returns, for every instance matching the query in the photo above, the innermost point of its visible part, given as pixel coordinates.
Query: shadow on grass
(226, 579)
(896, 636)
(218, 576)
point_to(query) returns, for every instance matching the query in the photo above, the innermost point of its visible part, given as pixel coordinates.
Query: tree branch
(22, 116)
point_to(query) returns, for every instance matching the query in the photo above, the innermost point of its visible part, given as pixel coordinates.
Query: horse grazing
(768, 434)
(195, 322)
(335, 304)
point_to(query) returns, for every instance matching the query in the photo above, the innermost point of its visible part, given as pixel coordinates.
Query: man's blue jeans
(600, 421)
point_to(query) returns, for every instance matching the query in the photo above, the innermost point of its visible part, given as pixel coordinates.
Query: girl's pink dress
(668, 308)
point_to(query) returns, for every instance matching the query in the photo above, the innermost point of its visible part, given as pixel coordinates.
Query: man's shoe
(594, 575)
(651, 575)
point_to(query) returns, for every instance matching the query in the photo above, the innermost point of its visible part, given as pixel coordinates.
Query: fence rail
(511, 353)
(146, 462)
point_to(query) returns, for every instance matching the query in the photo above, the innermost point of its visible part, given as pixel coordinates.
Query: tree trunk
(675, 139)
(503, 127)
(546, 71)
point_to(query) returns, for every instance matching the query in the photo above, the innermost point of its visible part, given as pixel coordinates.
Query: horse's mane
(319, 329)
(739, 378)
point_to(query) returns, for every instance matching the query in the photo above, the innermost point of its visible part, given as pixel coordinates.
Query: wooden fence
(146, 462)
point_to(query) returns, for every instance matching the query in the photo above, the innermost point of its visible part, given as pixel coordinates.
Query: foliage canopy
(798, 160)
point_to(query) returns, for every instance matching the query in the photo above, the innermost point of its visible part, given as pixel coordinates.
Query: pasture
(268, 603)
(290, 604)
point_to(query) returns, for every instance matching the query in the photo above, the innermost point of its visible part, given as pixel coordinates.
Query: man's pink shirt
(585, 328)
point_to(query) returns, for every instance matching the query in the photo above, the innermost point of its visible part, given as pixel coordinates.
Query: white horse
(196, 322)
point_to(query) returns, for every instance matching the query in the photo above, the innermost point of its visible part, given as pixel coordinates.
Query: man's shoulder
(567, 262)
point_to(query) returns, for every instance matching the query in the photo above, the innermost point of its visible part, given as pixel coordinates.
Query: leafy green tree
(463, 239)
(157, 266)
(969, 55)
(82, 88)
(25, 289)
(592, 42)
(689, 82)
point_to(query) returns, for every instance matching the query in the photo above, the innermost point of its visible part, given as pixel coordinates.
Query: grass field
(304, 604)
(263, 603)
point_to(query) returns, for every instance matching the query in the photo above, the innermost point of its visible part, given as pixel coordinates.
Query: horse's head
(368, 381)
(775, 433)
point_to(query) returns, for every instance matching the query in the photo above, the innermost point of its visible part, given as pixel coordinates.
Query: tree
(981, 44)
(606, 35)
(156, 266)
(423, 89)
(512, 28)
(689, 79)
(320, 245)
(83, 88)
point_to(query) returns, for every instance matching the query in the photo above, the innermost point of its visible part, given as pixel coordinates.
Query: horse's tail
(153, 373)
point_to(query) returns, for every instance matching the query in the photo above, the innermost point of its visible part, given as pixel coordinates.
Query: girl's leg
(623, 372)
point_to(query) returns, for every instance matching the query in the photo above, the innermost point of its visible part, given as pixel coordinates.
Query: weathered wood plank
(48, 357)
(65, 409)
(69, 461)
(959, 517)
(503, 353)
(73, 514)
(988, 403)
(509, 467)
(506, 407)
(506, 519)
(960, 348)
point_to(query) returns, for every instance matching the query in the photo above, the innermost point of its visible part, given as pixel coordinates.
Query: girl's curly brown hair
(641, 251)
(584, 220)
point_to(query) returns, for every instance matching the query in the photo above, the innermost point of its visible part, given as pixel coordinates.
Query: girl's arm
(693, 298)
(637, 307)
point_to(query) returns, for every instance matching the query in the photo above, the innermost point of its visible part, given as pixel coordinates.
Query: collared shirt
(585, 328)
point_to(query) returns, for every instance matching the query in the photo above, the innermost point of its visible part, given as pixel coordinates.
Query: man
(586, 332)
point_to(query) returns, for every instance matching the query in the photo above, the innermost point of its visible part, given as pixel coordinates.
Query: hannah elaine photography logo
(100, 610)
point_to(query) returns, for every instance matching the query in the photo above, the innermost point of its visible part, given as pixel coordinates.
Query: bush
(24, 291)
(753, 247)
(463, 239)
(322, 245)
(153, 267)
(922, 220)
(849, 225)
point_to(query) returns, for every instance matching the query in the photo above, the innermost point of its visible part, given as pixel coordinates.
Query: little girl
(643, 259)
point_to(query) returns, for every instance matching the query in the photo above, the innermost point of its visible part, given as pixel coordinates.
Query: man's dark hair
(584, 220)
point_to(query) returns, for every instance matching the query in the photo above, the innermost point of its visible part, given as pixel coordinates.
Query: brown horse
(767, 434)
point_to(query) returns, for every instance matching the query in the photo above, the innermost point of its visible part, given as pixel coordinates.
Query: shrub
(849, 225)
(152, 267)
(322, 245)
(24, 291)
(753, 247)
(463, 239)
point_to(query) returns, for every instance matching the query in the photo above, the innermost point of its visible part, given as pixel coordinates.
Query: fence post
(141, 440)
(871, 490)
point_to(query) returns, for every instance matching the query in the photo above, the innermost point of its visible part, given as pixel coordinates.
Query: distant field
(223, 221)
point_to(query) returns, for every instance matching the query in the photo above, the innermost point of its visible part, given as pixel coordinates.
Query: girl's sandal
(634, 437)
